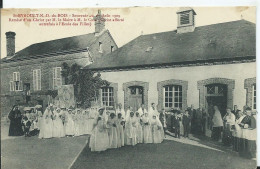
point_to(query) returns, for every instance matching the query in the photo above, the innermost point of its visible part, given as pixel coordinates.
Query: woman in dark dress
(15, 117)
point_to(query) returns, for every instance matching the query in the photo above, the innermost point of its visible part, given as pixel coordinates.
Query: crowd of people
(117, 127)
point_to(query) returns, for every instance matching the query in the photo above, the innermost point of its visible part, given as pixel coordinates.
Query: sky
(137, 21)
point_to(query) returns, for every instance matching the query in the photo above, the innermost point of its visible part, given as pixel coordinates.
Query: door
(136, 97)
(216, 96)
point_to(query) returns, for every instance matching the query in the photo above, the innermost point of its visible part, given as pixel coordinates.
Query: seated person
(27, 124)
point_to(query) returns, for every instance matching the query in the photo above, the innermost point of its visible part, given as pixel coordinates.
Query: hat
(38, 106)
(70, 108)
(27, 109)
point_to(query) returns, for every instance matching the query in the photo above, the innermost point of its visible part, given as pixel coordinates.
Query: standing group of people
(119, 128)
(61, 122)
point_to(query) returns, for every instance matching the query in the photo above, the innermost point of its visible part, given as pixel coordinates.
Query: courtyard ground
(73, 152)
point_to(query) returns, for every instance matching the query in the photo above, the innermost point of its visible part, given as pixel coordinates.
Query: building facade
(200, 66)
(32, 75)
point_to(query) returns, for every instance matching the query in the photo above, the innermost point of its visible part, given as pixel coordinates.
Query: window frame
(174, 89)
(37, 81)
(110, 94)
(54, 78)
(16, 83)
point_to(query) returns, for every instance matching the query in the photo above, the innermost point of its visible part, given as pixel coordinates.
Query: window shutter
(11, 86)
(59, 81)
(34, 80)
(39, 79)
(20, 86)
(54, 77)
(18, 76)
(14, 76)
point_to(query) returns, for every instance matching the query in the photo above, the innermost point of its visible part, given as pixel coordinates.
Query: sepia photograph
(128, 88)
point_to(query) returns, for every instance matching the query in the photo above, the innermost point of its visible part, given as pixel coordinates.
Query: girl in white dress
(139, 128)
(85, 116)
(157, 130)
(99, 140)
(81, 123)
(76, 119)
(69, 123)
(112, 131)
(91, 118)
(48, 126)
(147, 129)
(120, 130)
(42, 122)
(130, 129)
(58, 129)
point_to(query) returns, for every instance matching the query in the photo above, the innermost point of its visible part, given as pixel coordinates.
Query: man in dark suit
(176, 124)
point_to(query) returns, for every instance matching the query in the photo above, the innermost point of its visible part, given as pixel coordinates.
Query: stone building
(200, 66)
(33, 73)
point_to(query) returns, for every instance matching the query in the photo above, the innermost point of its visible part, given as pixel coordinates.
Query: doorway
(136, 97)
(216, 95)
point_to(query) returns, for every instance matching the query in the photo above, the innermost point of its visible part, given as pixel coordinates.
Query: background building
(204, 66)
(31, 76)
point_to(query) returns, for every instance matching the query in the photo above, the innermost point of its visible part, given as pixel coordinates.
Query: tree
(86, 83)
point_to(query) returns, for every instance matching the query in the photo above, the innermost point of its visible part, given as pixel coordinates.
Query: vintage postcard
(126, 88)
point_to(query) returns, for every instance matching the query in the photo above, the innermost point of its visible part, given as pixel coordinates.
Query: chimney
(99, 22)
(186, 20)
(10, 43)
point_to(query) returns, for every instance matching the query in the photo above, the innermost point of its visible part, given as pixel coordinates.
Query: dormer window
(100, 47)
(186, 20)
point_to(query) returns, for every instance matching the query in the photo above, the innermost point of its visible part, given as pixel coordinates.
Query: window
(254, 97)
(108, 96)
(173, 96)
(57, 80)
(100, 47)
(37, 79)
(112, 48)
(16, 83)
(216, 89)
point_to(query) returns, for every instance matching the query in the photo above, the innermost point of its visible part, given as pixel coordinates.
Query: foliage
(86, 83)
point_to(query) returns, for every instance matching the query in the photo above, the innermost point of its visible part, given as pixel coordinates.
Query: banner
(66, 96)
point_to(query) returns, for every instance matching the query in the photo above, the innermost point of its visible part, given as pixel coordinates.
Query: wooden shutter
(54, 77)
(39, 79)
(34, 80)
(58, 76)
(11, 86)
(20, 86)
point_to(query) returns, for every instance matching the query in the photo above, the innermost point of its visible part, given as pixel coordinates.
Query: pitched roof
(57, 46)
(229, 40)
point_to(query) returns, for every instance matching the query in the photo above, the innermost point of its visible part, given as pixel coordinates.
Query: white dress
(130, 130)
(76, 119)
(69, 124)
(120, 132)
(147, 130)
(112, 133)
(58, 129)
(157, 131)
(48, 126)
(99, 140)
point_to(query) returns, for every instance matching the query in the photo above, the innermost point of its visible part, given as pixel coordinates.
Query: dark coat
(176, 122)
(15, 128)
(185, 120)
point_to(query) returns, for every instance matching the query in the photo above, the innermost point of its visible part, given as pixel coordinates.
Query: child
(76, 119)
(27, 125)
(112, 131)
(130, 129)
(176, 124)
(58, 129)
(48, 126)
(120, 130)
(163, 121)
(157, 130)
(186, 123)
(99, 140)
(139, 129)
(69, 123)
(147, 129)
